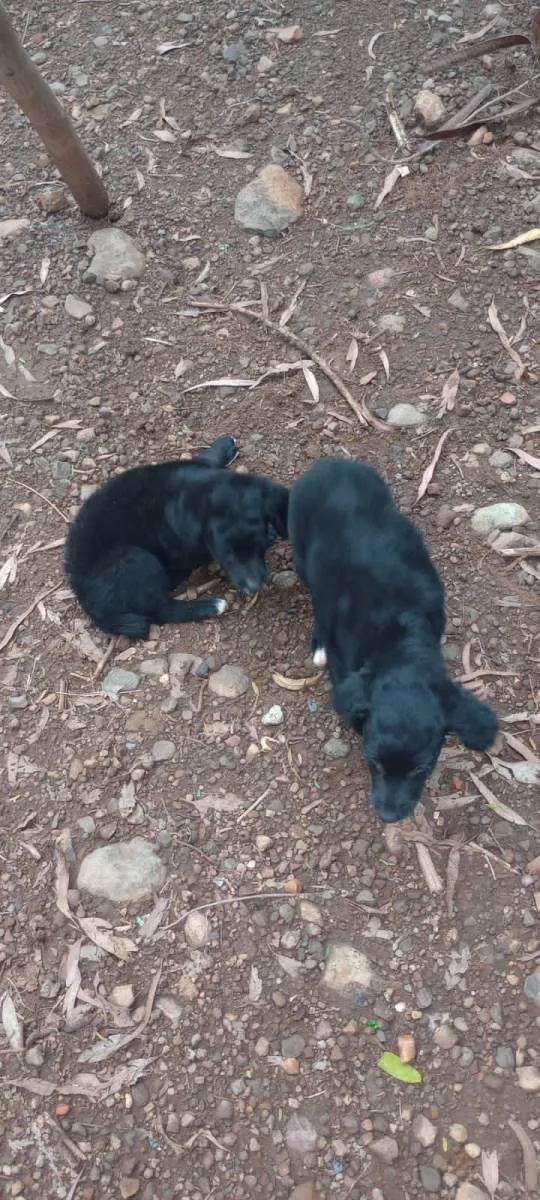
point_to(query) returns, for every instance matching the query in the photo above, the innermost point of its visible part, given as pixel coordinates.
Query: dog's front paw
(221, 606)
(319, 656)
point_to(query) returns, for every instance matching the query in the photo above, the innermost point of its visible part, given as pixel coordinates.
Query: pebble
(77, 308)
(129, 1186)
(122, 995)
(336, 747)
(469, 1191)
(88, 825)
(304, 1191)
(429, 107)
(459, 1134)
(445, 1037)
(472, 1150)
(119, 680)
(405, 416)
(300, 1135)
(274, 716)
(309, 912)
(122, 872)
(386, 1148)
(505, 1058)
(263, 842)
(34, 1056)
(424, 997)
(116, 258)
(13, 227)
(531, 987)
(197, 930)
(293, 1046)
(529, 1078)
(262, 1046)
(424, 1130)
(504, 515)
(391, 323)
(347, 968)
(162, 751)
(430, 1178)
(224, 1110)
(501, 458)
(270, 203)
(285, 579)
(229, 683)
(458, 300)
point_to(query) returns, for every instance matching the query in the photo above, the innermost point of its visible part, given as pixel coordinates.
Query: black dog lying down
(378, 607)
(141, 535)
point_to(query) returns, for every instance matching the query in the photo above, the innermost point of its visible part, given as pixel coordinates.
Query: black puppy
(141, 534)
(378, 605)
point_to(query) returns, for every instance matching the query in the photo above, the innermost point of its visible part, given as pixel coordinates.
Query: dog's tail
(171, 612)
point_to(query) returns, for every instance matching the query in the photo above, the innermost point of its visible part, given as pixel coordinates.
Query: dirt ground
(247, 1072)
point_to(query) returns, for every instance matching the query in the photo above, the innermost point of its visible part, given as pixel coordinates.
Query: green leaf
(392, 1064)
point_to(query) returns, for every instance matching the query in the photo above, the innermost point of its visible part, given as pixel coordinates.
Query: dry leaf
(4, 454)
(525, 457)
(520, 746)
(100, 932)
(531, 235)
(227, 381)
(286, 34)
(292, 966)
(89, 1085)
(8, 573)
(164, 135)
(495, 323)
(371, 44)
(452, 875)
(38, 1087)
(73, 978)
(118, 1041)
(141, 182)
(62, 883)
(490, 1170)
(13, 1027)
(294, 685)
(154, 919)
(501, 809)
(311, 381)
(522, 772)
(386, 365)
(255, 985)
(530, 1169)
(168, 47)
(230, 152)
(288, 311)
(430, 469)
(127, 799)
(431, 876)
(352, 354)
(449, 393)
(397, 172)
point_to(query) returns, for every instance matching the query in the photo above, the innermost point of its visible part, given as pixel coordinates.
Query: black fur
(141, 534)
(378, 605)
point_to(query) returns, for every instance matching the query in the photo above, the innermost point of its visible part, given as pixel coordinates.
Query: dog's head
(403, 725)
(258, 518)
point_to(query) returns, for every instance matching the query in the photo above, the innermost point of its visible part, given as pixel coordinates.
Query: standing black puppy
(141, 534)
(378, 605)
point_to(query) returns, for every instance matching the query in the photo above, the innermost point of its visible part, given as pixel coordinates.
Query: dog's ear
(278, 508)
(473, 721)
(351, 696)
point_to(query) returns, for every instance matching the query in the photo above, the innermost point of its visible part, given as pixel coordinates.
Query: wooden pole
(33, 95)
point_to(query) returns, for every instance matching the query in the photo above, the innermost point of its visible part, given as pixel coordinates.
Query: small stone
(430, 108)
(76, 308)
(224, 1110)
(310, 913)
(459, 1134)
(119, 680)
(263, 842)
(505, 1058)
(386, 1148)
(356, 201)
(88, 489)
(430, 1178)
(122, 995)
(509, 399)
(336, 747)
(300, 1135)
(34, 1057)
(62, 471)
(262, 1046)
(274, 716)
(405, 416)
(347, 968)
(445, 1037)
(116, 258)
(424, 1131)
(424, 997)
(154, 667)
(229, 683)
(504, 515)
(197, 930)
(531, 987)
(293, 1046)
(13, 227)
(129, 1186)
(270, 203)
(163, 751)
(458, 300)
(468, 1191)
(304, 1191)
(472, 1150)
(501, 459)
(529, 1078)
(406, 1047)
(122, 872)
(88, 825)
(285, 579)
(391, 323)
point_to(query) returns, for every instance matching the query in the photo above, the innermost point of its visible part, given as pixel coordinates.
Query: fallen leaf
(168, 47)
(495, 323)
(227, 381)
(392, 1065)
(397, 172)
(288, 311)
(531, 235)
(501, 809)
(429, 872)
(352, 354)
(73, 978)
(230, 152)
(449, 393)
(292, 966)
(4, 454)
(127, 799)
(490, 1170)
(8, 572)
(89, 1085)
(525, 457)
(430, 469)
(311, 381)
(452, 875)
(522, 772)
(530, 1169)
(255, 985)
(13, 1027)
(100, 932)
(62, 883)
(286, 34)
(386, 365)
(155, 917)
(164, 135)
(371, 44)
(38, 1087)
(294, 685)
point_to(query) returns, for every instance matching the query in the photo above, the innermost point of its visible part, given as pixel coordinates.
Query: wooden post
(33, 95)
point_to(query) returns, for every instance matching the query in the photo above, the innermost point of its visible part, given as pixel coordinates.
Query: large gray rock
(405, 416)
(123, 872)
(116, 258)
(270, 203)
(229, 683)
(505, 515)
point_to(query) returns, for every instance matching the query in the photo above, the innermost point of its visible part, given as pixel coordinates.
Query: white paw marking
(319, 658)
(221, 606)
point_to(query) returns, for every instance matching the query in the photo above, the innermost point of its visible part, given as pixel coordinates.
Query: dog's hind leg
(177, 612)
(318, 651)
(219, 454)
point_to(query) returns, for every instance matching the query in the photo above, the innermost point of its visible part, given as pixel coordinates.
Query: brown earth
(243, 1035)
